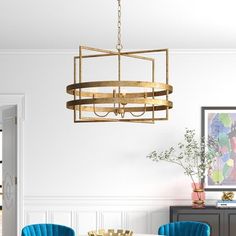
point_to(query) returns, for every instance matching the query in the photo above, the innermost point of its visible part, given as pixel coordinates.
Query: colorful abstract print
(222, 127)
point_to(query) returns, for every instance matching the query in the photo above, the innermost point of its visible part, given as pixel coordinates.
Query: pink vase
(198, 195)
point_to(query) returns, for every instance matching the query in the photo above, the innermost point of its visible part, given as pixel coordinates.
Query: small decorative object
(195, 158)
(219, 123)
(227, 196)
(111, 232)
(226, 204)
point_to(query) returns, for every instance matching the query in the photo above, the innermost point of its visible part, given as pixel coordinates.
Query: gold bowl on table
(111, 232)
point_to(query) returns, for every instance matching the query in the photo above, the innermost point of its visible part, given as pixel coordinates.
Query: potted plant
(195, 157)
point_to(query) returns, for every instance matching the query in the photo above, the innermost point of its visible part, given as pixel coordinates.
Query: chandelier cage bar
(117, 103)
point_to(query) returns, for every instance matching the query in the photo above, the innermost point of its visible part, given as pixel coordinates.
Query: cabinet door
(230, 222)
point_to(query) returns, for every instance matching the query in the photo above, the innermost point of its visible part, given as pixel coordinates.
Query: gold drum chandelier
(122, 100)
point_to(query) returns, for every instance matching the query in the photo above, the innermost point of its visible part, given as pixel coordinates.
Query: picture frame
(219, 123)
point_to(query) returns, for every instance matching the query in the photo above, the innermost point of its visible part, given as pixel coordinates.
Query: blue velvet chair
(185, 228)
(47, 230)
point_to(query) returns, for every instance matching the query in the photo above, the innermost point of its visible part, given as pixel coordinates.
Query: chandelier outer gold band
(113, 83)
(111, 109)
(128, 95)
(135, 120)
(73, 103)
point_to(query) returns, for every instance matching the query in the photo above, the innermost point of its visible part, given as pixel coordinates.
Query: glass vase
(198, 195)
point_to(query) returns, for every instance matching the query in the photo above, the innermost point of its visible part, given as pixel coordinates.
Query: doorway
(9, 170)
(13, 186)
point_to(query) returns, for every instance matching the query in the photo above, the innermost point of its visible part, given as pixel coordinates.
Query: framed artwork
(220, 123)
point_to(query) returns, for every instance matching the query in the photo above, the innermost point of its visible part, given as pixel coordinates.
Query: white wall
(70, 169)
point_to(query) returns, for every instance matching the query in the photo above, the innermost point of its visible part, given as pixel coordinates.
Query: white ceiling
(65, 24)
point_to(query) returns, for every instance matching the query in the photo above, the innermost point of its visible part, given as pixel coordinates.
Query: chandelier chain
(119, 45)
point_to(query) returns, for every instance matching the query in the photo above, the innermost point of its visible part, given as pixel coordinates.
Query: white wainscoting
(140, 214)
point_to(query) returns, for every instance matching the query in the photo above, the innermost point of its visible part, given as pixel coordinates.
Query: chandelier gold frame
(86, 101)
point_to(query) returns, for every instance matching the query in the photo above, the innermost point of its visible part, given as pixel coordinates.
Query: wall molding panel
(141, 214)
(33, 217)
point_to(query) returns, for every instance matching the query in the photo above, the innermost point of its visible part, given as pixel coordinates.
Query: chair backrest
(47, 230)
(185, 228)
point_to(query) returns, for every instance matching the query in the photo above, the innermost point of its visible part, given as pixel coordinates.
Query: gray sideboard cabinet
(221, 221)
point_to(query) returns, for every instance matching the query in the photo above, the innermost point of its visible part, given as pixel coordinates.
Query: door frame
(19, 101)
